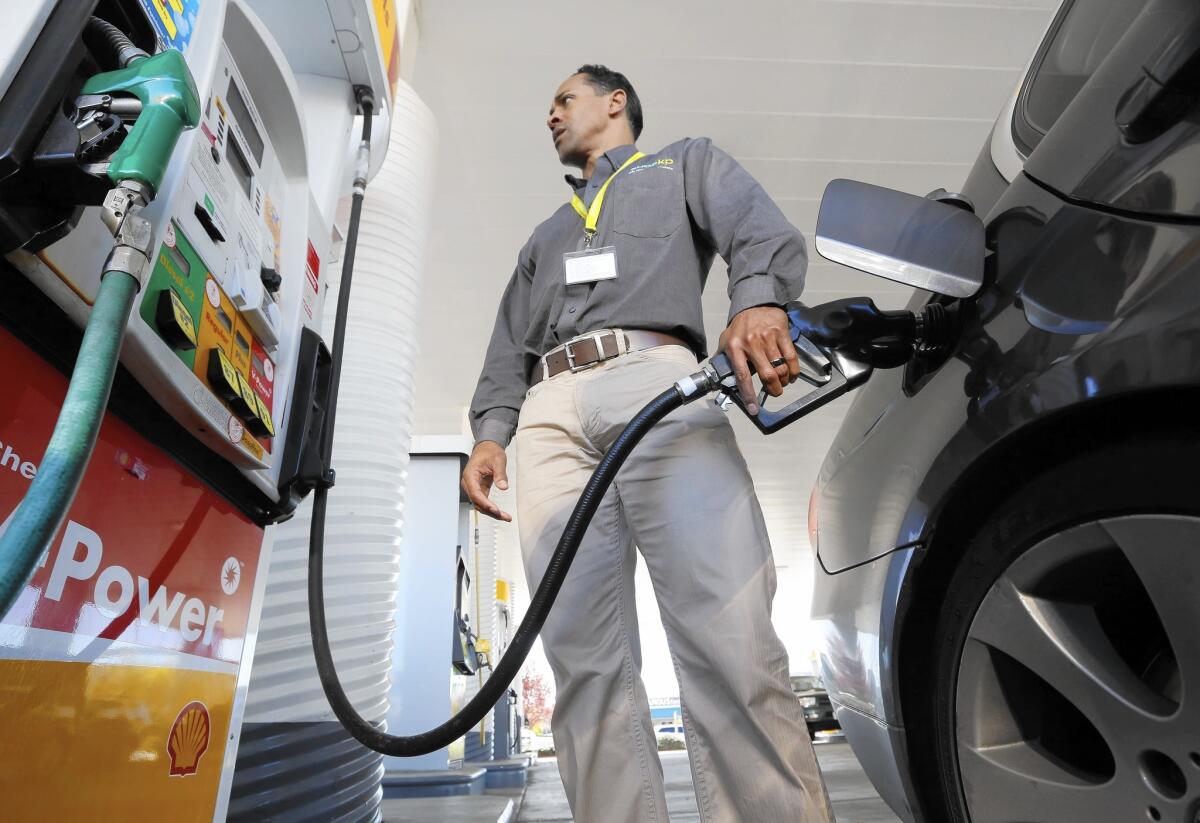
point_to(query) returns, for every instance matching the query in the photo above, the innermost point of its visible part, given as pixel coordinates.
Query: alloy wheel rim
(1078, 691)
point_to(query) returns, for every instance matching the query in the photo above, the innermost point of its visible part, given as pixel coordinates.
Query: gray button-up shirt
(667, 214)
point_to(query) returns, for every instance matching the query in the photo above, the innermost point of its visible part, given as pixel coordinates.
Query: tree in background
(538, 701)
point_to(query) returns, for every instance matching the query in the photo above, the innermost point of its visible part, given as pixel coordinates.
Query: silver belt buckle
(571, 367)
(596, 338)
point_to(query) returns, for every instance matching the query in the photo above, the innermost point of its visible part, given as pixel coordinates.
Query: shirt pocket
(649, 204)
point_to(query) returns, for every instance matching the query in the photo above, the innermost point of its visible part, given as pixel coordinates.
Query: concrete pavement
(854, 799)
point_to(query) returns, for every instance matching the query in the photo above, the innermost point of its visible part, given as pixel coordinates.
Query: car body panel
(1036, 347)
(1142, 336)
(1092, 296)
(881, 751)
(853, 615)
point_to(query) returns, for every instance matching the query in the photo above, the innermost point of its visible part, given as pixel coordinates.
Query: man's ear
(616, 103)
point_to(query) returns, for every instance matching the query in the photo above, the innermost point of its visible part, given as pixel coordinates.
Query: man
(617, 274)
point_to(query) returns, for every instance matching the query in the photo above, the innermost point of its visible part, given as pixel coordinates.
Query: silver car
(1007, 527)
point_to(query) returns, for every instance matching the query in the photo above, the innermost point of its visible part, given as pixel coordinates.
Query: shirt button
(571, 310)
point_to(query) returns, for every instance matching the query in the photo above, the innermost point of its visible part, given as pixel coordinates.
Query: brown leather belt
(592, 349)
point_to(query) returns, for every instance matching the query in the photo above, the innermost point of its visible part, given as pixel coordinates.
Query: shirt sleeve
(502, 383)
(765, 253)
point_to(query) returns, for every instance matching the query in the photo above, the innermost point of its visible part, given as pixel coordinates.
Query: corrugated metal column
(295, 761)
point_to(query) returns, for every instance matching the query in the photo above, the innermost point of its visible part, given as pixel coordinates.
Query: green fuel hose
(170, 106)
(40, 514)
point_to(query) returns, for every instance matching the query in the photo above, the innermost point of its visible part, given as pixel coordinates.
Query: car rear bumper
(855, 612)
(881, 751)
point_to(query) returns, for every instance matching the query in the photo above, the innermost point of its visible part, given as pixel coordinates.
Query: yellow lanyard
(591, 217)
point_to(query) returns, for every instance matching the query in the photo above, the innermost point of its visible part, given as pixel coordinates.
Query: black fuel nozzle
(858, 328)
(830, 373)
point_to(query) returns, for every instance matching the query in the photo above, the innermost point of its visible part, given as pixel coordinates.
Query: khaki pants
(685, 498)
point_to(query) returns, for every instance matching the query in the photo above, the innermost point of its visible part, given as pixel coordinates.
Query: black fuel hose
(506, 670)
(539, 607)
(106, 39)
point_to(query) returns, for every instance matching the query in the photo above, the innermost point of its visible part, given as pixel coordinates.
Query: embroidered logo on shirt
(664, 163)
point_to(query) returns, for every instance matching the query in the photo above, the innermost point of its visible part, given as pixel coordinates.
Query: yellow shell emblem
(188, 739)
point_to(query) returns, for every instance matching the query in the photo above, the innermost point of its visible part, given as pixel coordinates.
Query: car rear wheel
(1069, 647)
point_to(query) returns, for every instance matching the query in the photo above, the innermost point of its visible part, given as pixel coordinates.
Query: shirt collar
(620, 154)
(609, 162)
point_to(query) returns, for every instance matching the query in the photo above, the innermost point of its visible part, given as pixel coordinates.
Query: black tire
(1154, 474)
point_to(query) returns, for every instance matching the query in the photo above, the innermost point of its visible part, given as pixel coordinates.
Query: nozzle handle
(839, 344)
(170, 105)
(843, 374)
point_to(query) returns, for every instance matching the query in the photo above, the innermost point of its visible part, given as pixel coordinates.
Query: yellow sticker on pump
(182, 319)
(230, 387)
(264, 415)
(248, 395)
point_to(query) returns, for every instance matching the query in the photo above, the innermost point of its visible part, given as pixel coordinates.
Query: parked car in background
(672, 733)
(1008, 527)
(534, 743)
(814, 700)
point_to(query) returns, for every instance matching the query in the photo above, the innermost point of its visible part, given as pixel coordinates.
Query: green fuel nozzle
(170, 105)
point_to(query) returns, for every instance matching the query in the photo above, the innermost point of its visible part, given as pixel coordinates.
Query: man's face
(579, 115)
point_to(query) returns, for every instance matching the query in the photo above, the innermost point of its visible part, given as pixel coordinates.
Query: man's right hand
(486, 466)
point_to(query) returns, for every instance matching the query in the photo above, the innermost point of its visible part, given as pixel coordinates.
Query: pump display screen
(241, 113)
(178, 260)
(240, 166)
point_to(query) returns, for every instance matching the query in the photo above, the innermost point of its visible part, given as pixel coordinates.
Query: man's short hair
(605, 81)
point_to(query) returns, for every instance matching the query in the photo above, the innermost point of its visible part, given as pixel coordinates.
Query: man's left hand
(757, 336)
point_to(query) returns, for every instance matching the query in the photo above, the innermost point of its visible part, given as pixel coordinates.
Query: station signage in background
(312, 279)
(174, 20)
(389, 39)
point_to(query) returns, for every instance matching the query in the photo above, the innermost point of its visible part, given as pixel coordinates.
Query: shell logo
(231, 575)
(188, 739)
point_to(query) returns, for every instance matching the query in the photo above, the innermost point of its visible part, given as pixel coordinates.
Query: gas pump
(169, 170)
(463, 656)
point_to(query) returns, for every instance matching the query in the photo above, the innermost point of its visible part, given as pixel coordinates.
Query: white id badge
(590, 265)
